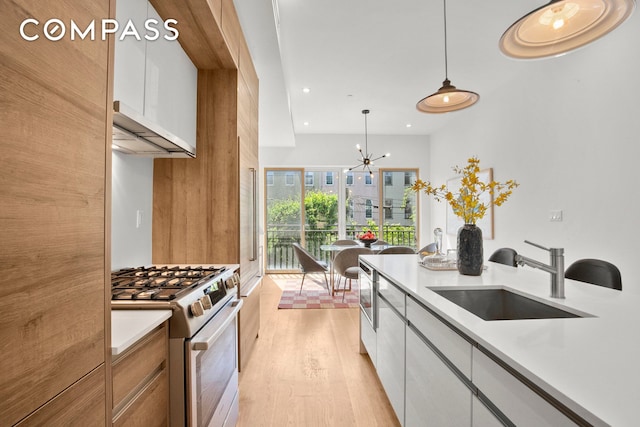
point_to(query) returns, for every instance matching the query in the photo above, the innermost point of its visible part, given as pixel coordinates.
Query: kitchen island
(586, 368)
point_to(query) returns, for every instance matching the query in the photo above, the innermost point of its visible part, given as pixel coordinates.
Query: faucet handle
(554, 251)
(537, 245)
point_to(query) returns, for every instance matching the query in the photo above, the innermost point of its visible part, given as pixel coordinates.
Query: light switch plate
(555, 216)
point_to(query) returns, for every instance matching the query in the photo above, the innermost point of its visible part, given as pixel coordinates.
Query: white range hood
(135, 134)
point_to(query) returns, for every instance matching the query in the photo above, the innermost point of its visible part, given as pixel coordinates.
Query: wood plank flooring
(306, 371)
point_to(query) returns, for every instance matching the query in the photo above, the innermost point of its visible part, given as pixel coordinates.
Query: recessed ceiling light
(408, 125)
(306, 90)
(306, 123)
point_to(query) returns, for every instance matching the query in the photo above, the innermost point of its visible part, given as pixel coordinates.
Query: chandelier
(366, 162)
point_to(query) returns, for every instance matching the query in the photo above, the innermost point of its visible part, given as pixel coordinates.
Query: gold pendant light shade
(447, 99)
(563, 25)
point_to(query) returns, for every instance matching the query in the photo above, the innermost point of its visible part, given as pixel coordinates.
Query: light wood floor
(306, 371)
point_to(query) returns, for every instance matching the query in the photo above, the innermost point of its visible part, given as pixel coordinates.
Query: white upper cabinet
(170, 85)
(154, 76)
(130, 55)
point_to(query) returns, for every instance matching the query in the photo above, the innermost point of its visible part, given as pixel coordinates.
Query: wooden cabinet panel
(52, 205)
(249, 323)
(199, 23)
(80, 405)
(140, 362)
(150, 407)
(231, 28)
(247, 70)
(196, 201)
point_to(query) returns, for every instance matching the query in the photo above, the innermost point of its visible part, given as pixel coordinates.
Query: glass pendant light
(563, 25)
(366, 162)
(448, 97)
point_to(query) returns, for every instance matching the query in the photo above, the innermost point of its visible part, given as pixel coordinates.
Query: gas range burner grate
(158, 283)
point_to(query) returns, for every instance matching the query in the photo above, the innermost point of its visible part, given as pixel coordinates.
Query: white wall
(132, 190)
(568, 130)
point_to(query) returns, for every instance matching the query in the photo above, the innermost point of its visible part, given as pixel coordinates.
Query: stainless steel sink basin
(501, 304)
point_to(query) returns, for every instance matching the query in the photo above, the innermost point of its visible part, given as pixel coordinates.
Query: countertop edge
(129, 326)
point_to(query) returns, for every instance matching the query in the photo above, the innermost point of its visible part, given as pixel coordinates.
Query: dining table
(334, 249)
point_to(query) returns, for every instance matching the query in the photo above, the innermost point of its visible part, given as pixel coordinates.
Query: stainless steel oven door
(367, 283)
(212, 371)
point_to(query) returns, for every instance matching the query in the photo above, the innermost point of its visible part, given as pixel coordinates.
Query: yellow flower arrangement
(467, 204)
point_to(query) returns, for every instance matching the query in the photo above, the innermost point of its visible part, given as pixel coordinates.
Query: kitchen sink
(501, 304)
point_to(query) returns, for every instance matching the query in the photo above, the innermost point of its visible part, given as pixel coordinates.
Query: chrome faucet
(556, 269)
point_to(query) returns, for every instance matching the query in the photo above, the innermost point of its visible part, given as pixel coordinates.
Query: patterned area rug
(314, 292)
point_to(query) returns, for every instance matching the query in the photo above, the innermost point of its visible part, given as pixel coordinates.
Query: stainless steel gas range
(203, 335)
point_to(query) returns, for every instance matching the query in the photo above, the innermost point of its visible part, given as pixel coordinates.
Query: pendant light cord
(446, 70)
(366, 139)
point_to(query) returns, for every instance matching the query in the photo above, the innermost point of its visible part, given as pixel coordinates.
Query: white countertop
(591, 364)
(128, 326)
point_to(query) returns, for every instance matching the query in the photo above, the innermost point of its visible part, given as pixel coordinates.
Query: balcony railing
(280, 238)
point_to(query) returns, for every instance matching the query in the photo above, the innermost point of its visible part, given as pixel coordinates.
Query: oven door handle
(206, 338)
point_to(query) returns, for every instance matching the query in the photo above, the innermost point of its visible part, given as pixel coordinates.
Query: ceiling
(379, 55)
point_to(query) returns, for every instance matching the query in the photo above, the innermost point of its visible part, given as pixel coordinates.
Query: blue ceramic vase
(470, 255)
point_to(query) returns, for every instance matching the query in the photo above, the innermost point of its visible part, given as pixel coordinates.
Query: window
(350, 178)
(388, 208)
(288, 179)
(343, 204)
(308, 179)
(408, 178)
(408, 210)
(328, 179)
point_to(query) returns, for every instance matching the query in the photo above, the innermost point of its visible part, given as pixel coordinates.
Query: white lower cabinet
(368, 337)
(517, 402)
(435, 395)
(481, 416)
(390, 350)
(434, 375)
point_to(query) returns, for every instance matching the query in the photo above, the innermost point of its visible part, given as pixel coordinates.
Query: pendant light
(367, 160)
(563, 25)
(448, 97)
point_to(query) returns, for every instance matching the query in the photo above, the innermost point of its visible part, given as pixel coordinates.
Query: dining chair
(506, 256)
(595, 272)
(397, 250)
(382, 243)
(345, 242)
(309, 264)
(346, 265)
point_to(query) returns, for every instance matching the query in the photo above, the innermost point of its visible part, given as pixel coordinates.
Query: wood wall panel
(196, 206)
(79, 406)
(52, 206)
(200, 34)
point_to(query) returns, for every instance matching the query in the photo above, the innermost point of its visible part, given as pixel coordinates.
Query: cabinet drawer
(392, 294)
(453, 346)
(517, 402)
(368, 337)
(150, 407)
(139, 363)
